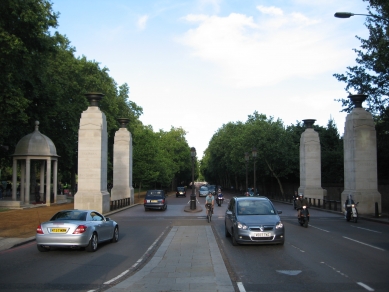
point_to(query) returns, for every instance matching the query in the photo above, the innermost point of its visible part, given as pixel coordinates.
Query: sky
(199, 64)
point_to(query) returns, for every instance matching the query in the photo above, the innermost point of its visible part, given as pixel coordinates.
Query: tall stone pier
(92, 158)
(310, 163)
(360, 158)
(122, 164)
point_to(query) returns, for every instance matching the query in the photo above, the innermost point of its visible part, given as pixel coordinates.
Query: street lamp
(246, 158)
(254, 153)
(349, 14)
(193, 195)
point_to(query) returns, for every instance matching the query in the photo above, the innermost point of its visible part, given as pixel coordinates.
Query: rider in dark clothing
(300, 203)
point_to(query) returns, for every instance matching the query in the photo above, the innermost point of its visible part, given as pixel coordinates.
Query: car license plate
(154, 201)
(262, 234)
(58, 230)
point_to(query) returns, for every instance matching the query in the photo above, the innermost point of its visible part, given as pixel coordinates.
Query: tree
(371, 75)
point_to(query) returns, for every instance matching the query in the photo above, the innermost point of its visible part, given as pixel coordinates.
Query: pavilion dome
(35, 144)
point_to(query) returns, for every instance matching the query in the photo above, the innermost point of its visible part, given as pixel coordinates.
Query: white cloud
(251, 54)
(142, 20)
(270, 10)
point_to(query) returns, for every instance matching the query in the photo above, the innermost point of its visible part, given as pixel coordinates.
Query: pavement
(189, 259)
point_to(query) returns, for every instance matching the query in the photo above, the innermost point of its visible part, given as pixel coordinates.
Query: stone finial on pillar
(309, 123)
(94, 98)
(360, 158)
(123, 122)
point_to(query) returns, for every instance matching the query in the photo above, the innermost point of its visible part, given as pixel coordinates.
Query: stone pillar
(92, 158)
(360, 158)
(42, 181)
(14, 179)
(28, 182)
(122, 164)
(310, 163)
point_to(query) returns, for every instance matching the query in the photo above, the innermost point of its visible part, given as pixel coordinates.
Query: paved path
(188, 260)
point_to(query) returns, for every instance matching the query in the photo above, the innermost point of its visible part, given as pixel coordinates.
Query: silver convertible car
(76, 229)
(253, 220)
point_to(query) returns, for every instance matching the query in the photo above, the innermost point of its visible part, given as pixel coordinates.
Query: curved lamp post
(193, 195)
(349, 14)
(254, 153)
(247, 158)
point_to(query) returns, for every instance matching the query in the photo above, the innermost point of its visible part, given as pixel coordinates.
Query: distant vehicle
(155, 199)
(253, 220)
(203, 192)
(181, 191)
(76, 229)
(212, 189)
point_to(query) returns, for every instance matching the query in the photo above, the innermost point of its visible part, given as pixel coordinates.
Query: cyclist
(209, 200)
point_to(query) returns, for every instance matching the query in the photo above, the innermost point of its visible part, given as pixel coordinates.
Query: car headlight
(241, 225)
(279, 225)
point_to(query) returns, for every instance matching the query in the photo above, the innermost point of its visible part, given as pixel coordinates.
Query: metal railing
(118, 204)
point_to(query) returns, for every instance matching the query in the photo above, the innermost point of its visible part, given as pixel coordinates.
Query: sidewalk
(188, 260)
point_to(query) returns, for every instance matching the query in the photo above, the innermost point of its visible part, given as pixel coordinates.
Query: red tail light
(80, 229)
(39, 230)
(144, 201)
(163, 201)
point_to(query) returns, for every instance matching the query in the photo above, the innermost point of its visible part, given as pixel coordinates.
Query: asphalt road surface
(330, 255)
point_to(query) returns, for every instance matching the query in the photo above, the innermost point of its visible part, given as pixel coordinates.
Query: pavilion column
(28, 171)
(14, 178)
(22, 181)
(42, 181)
(55, 180)
(48, 181)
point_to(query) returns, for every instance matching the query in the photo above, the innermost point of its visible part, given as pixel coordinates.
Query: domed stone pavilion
(34, 146)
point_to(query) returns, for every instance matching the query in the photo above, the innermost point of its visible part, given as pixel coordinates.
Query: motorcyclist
(219, 196)
(300, 203)
(347, 204)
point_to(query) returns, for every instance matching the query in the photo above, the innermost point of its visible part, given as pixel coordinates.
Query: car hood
(259, 219)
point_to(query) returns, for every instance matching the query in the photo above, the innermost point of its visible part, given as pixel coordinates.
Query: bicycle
(209, 212)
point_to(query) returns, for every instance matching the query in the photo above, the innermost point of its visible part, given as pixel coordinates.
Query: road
(330, 255)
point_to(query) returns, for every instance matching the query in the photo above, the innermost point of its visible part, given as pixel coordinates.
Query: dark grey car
(155, 199)
(253, 220)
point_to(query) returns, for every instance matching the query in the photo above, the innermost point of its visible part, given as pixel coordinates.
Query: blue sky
(203, 63)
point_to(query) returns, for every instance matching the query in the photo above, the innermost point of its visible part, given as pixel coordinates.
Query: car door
(102, 226)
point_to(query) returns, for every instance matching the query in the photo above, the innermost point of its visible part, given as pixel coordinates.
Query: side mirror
(107, 219)
(229, 212)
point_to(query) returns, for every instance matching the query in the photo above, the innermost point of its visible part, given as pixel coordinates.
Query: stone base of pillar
(313, 193)
(366, 199)
(11, 204)
(87, 200)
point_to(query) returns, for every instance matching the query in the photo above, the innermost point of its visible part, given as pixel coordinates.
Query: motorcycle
(351, 212)
(220, 200)
(304, 217)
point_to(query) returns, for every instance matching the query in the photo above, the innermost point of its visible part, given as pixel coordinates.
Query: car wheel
(165, 208)
(282, 243)
(92, 246)
(42, 248)
(234, 242)
(115, 237)
(146, 209)
(226, 233)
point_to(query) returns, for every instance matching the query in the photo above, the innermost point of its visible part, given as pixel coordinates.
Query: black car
(212, 189)
(253, 220)
(155, 199)
(181, 191)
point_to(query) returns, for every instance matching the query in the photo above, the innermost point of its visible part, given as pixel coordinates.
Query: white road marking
(297, 248)
(241, 287)
(363, 243)
(339, 272)
(318, 228)
(366, 229)
(138, 261)
(289, 272)
(365, 286)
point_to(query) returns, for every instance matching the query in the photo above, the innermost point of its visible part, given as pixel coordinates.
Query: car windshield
(180, 189)
(203, 189)
(251, 207)
(70, 215)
